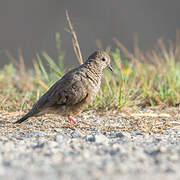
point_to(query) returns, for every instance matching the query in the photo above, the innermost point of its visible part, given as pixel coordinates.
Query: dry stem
(76, 46)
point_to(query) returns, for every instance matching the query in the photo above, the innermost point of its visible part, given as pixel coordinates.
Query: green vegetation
(143, 79)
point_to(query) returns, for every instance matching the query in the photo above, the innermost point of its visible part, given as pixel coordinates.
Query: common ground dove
(74, 91)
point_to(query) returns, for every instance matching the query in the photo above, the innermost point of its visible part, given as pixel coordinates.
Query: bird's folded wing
(69, 91)
(72, 95)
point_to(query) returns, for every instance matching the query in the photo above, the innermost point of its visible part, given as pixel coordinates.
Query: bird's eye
(103, 59)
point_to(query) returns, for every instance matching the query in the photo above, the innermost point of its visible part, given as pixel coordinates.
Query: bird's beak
(110, 67)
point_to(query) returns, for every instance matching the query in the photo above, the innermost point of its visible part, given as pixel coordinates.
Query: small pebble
(77, 134)
(101, 139)
(119, 135)
(90, 138)
(61, 138)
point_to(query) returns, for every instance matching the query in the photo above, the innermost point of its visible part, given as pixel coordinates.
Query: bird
(74, 91)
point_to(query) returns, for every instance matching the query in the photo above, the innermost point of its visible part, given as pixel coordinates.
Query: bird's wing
(72, 93)
(69, 90)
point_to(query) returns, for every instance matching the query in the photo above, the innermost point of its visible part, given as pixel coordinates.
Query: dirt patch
(153, 120)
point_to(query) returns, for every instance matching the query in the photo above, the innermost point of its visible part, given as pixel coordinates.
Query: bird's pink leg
(72, 121)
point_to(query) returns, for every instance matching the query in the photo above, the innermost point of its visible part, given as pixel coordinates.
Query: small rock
(122, 135)
(119, 135)
(41, 145)
(163, 149)
(101, 139)
(61, 138)
(90, 138)
(138, 132)
(153, 152)
(77, 134)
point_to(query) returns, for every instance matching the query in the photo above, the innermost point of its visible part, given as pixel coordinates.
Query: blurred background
(32, 25)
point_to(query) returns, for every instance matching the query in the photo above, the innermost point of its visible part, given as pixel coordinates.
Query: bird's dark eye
(103, 59)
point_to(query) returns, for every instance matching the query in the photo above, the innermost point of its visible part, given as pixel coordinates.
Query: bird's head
(100, 59)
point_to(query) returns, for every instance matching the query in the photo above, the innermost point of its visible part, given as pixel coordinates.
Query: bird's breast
(94, 90)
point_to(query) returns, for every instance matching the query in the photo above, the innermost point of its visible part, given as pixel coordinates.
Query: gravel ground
(144, 145)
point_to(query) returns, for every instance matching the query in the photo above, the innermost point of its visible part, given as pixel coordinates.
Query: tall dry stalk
(76, 46)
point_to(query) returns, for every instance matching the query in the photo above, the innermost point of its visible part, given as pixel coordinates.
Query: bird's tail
(23, 118)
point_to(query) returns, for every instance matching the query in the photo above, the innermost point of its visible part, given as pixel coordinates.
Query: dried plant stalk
(76, 46)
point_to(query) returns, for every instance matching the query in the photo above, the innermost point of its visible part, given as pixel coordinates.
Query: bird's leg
(72, 121)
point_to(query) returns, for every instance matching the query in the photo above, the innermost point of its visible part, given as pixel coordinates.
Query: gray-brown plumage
(74, 91)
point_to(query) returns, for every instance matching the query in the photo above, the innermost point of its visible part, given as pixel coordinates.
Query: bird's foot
(72, 121)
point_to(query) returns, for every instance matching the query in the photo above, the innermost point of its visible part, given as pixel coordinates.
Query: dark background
(31, 25)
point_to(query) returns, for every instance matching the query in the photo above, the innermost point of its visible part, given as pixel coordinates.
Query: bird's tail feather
(23, 118)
